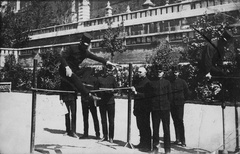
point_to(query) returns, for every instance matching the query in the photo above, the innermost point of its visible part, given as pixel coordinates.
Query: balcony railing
(146, 13)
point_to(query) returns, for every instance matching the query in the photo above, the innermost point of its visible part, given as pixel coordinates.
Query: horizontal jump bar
(92, 91)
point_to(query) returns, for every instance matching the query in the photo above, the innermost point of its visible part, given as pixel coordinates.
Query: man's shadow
(49, 148)
(57, 131)
(180, 148)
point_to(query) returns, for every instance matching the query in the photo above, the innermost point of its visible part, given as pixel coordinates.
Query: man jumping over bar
(72, 57)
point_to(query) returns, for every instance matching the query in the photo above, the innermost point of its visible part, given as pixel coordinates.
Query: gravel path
(203, 127)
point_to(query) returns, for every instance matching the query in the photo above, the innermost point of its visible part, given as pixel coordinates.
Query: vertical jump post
(237, 126)
(129, 109)
(34, 97)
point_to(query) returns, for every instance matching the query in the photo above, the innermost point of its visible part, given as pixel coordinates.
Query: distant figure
(142, 108)
(179, 95)
(212, 57)
(70, 100)
(107, 104)
(161, 100)
(91, 83)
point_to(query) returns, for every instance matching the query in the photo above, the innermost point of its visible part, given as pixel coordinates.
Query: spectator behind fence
(70, 100)
(91, 83)
(161, 98)
(142, 107)
(180, 94)
(107, 104)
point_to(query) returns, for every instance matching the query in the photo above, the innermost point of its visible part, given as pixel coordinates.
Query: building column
(1, 58)
(17, 6)
(74, 17)
(84, 11)
(108, 10)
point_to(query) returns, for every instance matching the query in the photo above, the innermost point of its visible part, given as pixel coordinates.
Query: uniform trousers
(164, 116)
(107, 111)
(85, 112)
(177, 112)
(143, 124)
(70, 117)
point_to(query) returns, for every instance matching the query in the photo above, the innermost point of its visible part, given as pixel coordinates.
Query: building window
(158, 12)
(139, 40)
(179, 36)
(193, 6)
(133, 16)
(148, 13)
(210, 3)
(153, 27)
(138, 15)
(149, 39)
(124, 17)
(100, 21)
(170, 9)
(198, 5)
(164, 11)
(172, 37)
(128, 41)
(133, 40)
(186, 7)
(176, 8)
(129, 17)
(164, 26)
(97, 44)
(127, 30)
(93, 44)
(116, 18)
(146, 29)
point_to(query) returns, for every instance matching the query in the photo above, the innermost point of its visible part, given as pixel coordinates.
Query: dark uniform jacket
(161, 94)
(65, 86)
(108, 81)
(179, 91)
(142, 100)
(73, 57)
(91, 84)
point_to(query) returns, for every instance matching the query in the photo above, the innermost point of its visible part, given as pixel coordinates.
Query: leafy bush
(21, 78)
(48, 75)
(12, 72)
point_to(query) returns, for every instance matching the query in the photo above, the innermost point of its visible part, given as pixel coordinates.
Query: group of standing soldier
(159, 98)
(106, 104)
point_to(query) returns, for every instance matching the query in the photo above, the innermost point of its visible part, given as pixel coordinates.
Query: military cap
(86, 38)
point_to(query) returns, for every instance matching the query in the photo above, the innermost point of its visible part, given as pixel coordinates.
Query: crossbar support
(34, 98)
(129, 144)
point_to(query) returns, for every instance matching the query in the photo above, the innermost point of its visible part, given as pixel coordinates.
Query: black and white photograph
(120, 77)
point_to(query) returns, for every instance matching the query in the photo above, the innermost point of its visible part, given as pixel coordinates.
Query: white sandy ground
(203, 127)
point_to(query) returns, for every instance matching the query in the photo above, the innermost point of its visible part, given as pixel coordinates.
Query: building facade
(142, 28)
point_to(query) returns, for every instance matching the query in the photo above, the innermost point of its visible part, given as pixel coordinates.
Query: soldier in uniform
(72, 58)
(91, 83)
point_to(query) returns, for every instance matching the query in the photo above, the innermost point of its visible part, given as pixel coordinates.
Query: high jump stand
(129, 144)
(34, 98)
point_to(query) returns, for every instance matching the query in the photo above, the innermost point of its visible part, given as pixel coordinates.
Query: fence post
(129, 109)
(237, 126)
(34, 97)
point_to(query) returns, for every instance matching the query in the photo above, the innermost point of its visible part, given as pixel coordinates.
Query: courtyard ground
(203, 128)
